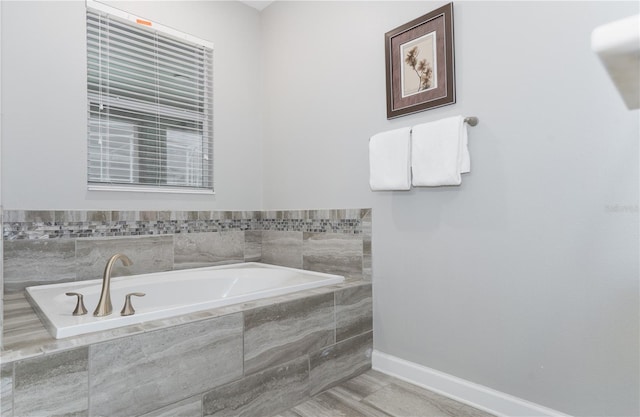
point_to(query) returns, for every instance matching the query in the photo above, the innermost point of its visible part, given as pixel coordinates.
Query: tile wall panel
(256, 362)
(148, 254)
(340, 362)
(56, 383)
(191, 407)
(139, 374)
(277, 333)
(30, 216)
(333, 253)
(57, 246)
(252, 246)
(353, 311)
(262, 394)
(1, 280)
(282, 248)
(35, 262)
(366, 245)
(6, 390)
(196, 250)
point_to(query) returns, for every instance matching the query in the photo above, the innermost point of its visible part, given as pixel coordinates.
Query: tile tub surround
(44, 247)
(57, 383)
(56, 246)
(195, 362)
(274, 334)
(139, 373)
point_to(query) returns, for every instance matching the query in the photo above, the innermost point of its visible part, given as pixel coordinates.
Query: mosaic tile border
(71, 224)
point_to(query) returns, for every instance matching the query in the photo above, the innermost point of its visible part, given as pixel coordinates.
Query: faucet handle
(80, 309)
(128, 310)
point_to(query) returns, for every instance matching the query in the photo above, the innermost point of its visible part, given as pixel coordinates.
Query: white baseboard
(475, 395)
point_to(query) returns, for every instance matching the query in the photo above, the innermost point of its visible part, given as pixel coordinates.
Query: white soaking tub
(168, 294)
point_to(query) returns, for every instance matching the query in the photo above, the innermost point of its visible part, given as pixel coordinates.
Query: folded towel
(439, 152)
(389, 160)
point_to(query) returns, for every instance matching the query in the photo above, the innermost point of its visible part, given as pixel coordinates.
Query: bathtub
(168, 294)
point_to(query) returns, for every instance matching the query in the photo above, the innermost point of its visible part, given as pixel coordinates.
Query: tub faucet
(105, 307)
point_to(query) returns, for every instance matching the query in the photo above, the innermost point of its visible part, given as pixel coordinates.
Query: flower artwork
(419, 61)
(419, 64)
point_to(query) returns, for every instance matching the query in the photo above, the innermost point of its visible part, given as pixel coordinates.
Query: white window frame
(111, 11)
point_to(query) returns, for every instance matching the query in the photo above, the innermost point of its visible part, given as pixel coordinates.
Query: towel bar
(471, 121)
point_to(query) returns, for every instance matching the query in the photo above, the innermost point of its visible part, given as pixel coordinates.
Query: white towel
(389, 158)
(439, 152)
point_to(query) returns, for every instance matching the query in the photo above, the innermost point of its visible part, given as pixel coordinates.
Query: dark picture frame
(420, 64)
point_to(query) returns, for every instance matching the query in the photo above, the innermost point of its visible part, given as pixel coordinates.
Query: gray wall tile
(252, 246)
(247, 215)
(224, 215)
(184, 215)
(333, 253)
(277, 333)
(150, 216)
(1, 282)
(195, 250)
(14, 216)
(282, 248)
(124, 216)
(39, 216)
(52, 385)
(23, 331)
(353, 311)
(340, 362)
(191, 407)
(164, 215)
(138, 374)
(22, 224)
(271, 214)
(35, 262)
(6, 390)
(366, 244)
(149, 254)
(322, 214)
(99, 216)
(294, 214)
(70, 216)
(263, 394)
(288, 413)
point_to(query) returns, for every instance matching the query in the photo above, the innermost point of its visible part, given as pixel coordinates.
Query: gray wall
(45, 111)
(524, 278)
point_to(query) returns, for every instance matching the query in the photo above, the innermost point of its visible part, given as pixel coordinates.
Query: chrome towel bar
(471, 120)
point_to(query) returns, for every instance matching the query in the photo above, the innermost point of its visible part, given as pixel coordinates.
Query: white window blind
(150, 107)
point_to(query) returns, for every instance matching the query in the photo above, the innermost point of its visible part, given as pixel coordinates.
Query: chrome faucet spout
(104, 307)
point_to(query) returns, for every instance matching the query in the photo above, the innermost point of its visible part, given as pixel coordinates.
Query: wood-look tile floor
(374, 394)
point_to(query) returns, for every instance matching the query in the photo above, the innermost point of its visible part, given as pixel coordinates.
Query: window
(112, 152)
(184, 157)
(150, 105)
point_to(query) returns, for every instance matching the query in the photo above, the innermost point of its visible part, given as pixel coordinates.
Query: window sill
(143, 189)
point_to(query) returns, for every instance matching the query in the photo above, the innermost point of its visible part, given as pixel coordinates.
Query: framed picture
(419, 64)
